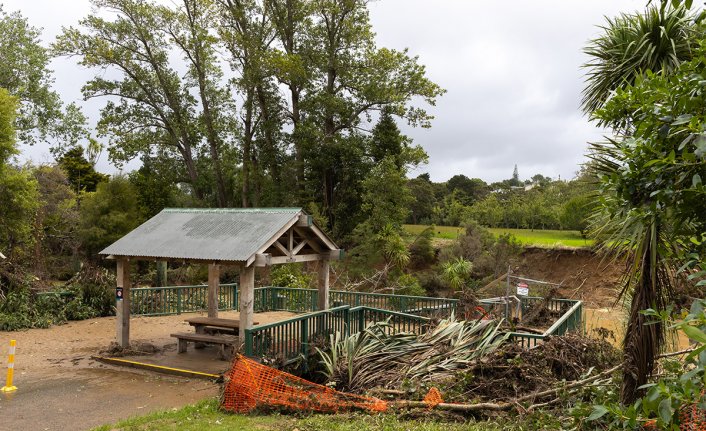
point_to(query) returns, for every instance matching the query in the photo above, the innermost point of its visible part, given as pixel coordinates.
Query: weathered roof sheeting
(205, 234)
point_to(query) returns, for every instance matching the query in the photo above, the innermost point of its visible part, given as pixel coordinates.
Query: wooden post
(122, 304)
(323, 284)
(161, 273)
(214, 283)
(247, 296)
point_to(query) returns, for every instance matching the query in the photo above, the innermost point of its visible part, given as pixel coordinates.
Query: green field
(205, 416)
(536, 237)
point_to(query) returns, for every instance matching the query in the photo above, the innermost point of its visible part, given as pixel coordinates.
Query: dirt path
(62, 388)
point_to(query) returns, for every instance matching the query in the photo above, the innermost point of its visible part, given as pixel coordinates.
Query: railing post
(248, 342)
(178, 289)
(347, 322)
(305, 338)
(234, 297)
(273, 299)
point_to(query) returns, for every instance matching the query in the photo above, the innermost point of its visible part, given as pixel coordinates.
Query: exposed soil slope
(583, 274)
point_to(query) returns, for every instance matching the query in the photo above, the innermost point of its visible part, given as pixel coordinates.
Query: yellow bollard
(10, 369)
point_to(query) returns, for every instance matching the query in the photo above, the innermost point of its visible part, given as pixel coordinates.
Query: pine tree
(387, 139)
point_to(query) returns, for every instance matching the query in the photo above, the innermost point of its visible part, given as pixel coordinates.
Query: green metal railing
(419, 305)
(570, 321)
(361, 316)
(290, 339)
(287, 340)
(160, 301)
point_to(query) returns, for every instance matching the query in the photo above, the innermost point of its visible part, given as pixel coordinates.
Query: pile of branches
(382, 357)
(522, 372)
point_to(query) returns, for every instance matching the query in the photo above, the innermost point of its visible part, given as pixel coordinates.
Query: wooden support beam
(214, 283)
(281, 248)
(305, 220)
(299, 247)
(247, 296)
(122, 304)
(323, 285)
(309, 239)
(263, 259)
(276, 260)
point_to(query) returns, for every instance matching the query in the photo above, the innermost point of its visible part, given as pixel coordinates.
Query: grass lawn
(205, 416)
(537, 237)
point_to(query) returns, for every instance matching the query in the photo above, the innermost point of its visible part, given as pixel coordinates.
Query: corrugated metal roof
(208, 234)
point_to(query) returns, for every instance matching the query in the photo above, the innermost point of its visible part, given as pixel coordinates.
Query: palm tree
(659, 39)
(633, 229)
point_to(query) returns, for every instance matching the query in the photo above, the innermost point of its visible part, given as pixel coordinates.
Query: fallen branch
(504, 406)
(679, 353)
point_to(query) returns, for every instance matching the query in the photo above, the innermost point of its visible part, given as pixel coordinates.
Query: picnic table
(210, 325)
(211, 330)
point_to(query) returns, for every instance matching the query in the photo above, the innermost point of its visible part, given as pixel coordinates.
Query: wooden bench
(223, 341)
(213, 325)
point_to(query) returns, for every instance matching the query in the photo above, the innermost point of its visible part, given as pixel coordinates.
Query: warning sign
(522, 289)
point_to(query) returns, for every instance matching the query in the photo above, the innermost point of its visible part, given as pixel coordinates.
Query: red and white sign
(522, 289)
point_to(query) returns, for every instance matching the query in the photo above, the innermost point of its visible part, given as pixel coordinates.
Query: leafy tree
(18, 190)
(25, 74)
(351, 78)
(54, 227)
(652, 202)
(156, 188)
(151, 107)
(423, 199)
(80, 172)
(385, 206)
(108, 214)
(188, 28)
(470, 189)
(658, 39)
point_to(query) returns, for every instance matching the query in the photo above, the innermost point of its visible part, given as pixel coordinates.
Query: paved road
(91, 397)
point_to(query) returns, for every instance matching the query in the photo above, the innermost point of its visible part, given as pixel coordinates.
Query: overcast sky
(512, 70)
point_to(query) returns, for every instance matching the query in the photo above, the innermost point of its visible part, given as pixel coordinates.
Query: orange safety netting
(249, 386)
(691, 418)
(433, 398)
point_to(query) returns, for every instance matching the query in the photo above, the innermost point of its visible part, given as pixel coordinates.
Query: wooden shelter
(245, 238)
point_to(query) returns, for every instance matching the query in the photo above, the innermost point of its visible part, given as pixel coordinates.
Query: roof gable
(209, 234)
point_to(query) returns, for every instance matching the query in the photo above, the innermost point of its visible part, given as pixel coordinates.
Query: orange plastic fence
(692, 418)
(433, 398)
(249, 386)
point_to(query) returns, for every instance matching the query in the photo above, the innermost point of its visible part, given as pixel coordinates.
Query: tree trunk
(247, 147)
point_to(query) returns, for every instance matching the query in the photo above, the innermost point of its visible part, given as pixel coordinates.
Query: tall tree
(18, 190)
(652, 196)
(189, 28)
(386, 139)
(248, 36)
(155, 109)
(352, 77)
(25, 74)
(291, 23)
